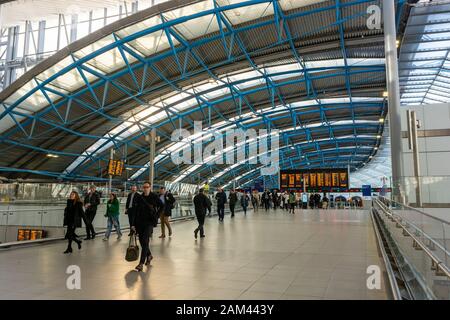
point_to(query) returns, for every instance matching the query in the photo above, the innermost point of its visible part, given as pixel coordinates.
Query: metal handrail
(415, 209)
(418, 229)
(390, 272)
(439, 264)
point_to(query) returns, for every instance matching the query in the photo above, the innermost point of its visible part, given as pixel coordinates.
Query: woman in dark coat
(72, 219)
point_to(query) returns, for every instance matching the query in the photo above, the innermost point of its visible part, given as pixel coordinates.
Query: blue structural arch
(311, 68)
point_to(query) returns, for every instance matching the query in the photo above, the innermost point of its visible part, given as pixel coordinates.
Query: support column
(151, 169)
(41, 40)
(414, 146)
(111, 158)
(390, 40)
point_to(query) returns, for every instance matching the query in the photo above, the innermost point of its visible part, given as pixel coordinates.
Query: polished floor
(314, 254)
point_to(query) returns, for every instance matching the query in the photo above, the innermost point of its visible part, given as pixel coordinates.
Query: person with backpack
(201, 205)
(72, 219)
(112, 213)
(168, 202)
(145, 219)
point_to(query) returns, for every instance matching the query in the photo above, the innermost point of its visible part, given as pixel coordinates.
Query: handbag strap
(133, 237)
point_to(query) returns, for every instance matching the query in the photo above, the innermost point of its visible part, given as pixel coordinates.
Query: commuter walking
(145, 220)
(325, 201)
(201, 205)
(206, 193)
(221, 198)
(72, 219)
(286, 200)
(168, 202)
(245, 200)
(233, 199)
(255, 201)
(266, 199)
(131, 205)
(304, 200)
(112, 213)
(292, 202)
(91, 201)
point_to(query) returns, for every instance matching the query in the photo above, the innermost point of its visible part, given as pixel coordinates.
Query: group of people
(232, 199)
(143, 210)
(289, 200)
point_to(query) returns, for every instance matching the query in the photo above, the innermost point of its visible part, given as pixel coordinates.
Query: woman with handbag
(72, 219)
(168, 202)
(112, 213)
(149, 205)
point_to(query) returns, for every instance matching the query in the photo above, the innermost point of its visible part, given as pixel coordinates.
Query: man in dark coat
(233, 199)
(145, 219)
(131, 205)
(201, 205)
(91, 201)
(221, 198)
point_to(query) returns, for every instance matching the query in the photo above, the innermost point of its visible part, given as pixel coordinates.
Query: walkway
(310, 255)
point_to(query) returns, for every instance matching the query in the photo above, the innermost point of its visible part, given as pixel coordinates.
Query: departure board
(115, 167)
(324, 179)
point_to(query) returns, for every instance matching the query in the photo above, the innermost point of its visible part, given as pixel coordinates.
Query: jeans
(201, 222)
(144, 239)
(221, 211)
(113, 221)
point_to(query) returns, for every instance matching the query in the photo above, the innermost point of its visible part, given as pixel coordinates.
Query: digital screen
(115, 167)
(30, 234)
(325, 179)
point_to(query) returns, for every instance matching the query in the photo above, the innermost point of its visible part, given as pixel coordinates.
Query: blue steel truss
(181, 50)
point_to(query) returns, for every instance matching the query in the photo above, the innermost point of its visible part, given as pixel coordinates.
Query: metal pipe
(390, 38)
(151, 170)
(416, 159)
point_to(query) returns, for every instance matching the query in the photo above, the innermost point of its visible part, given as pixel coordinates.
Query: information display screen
(115, 167)
(30, 234)
(325, 179)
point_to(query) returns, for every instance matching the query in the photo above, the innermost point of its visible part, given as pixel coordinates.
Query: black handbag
(132, 250)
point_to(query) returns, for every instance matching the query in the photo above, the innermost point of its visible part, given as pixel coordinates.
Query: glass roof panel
(246, 13)
(198, 27)
(294, 4)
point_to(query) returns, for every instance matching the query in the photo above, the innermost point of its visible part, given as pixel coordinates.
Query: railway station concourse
(320, 128)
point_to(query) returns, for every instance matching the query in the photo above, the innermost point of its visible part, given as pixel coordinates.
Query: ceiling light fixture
(50, 155)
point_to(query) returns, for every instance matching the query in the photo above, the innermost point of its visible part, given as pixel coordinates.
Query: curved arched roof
(311, 69)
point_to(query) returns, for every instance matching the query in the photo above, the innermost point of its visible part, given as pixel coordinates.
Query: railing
(49, 217)
(423, 242)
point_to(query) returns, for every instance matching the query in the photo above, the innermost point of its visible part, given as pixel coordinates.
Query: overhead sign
(314, 179)
(366, 190)
(115, 167)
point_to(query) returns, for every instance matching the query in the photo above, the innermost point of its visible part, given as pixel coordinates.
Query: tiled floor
(310, 255)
